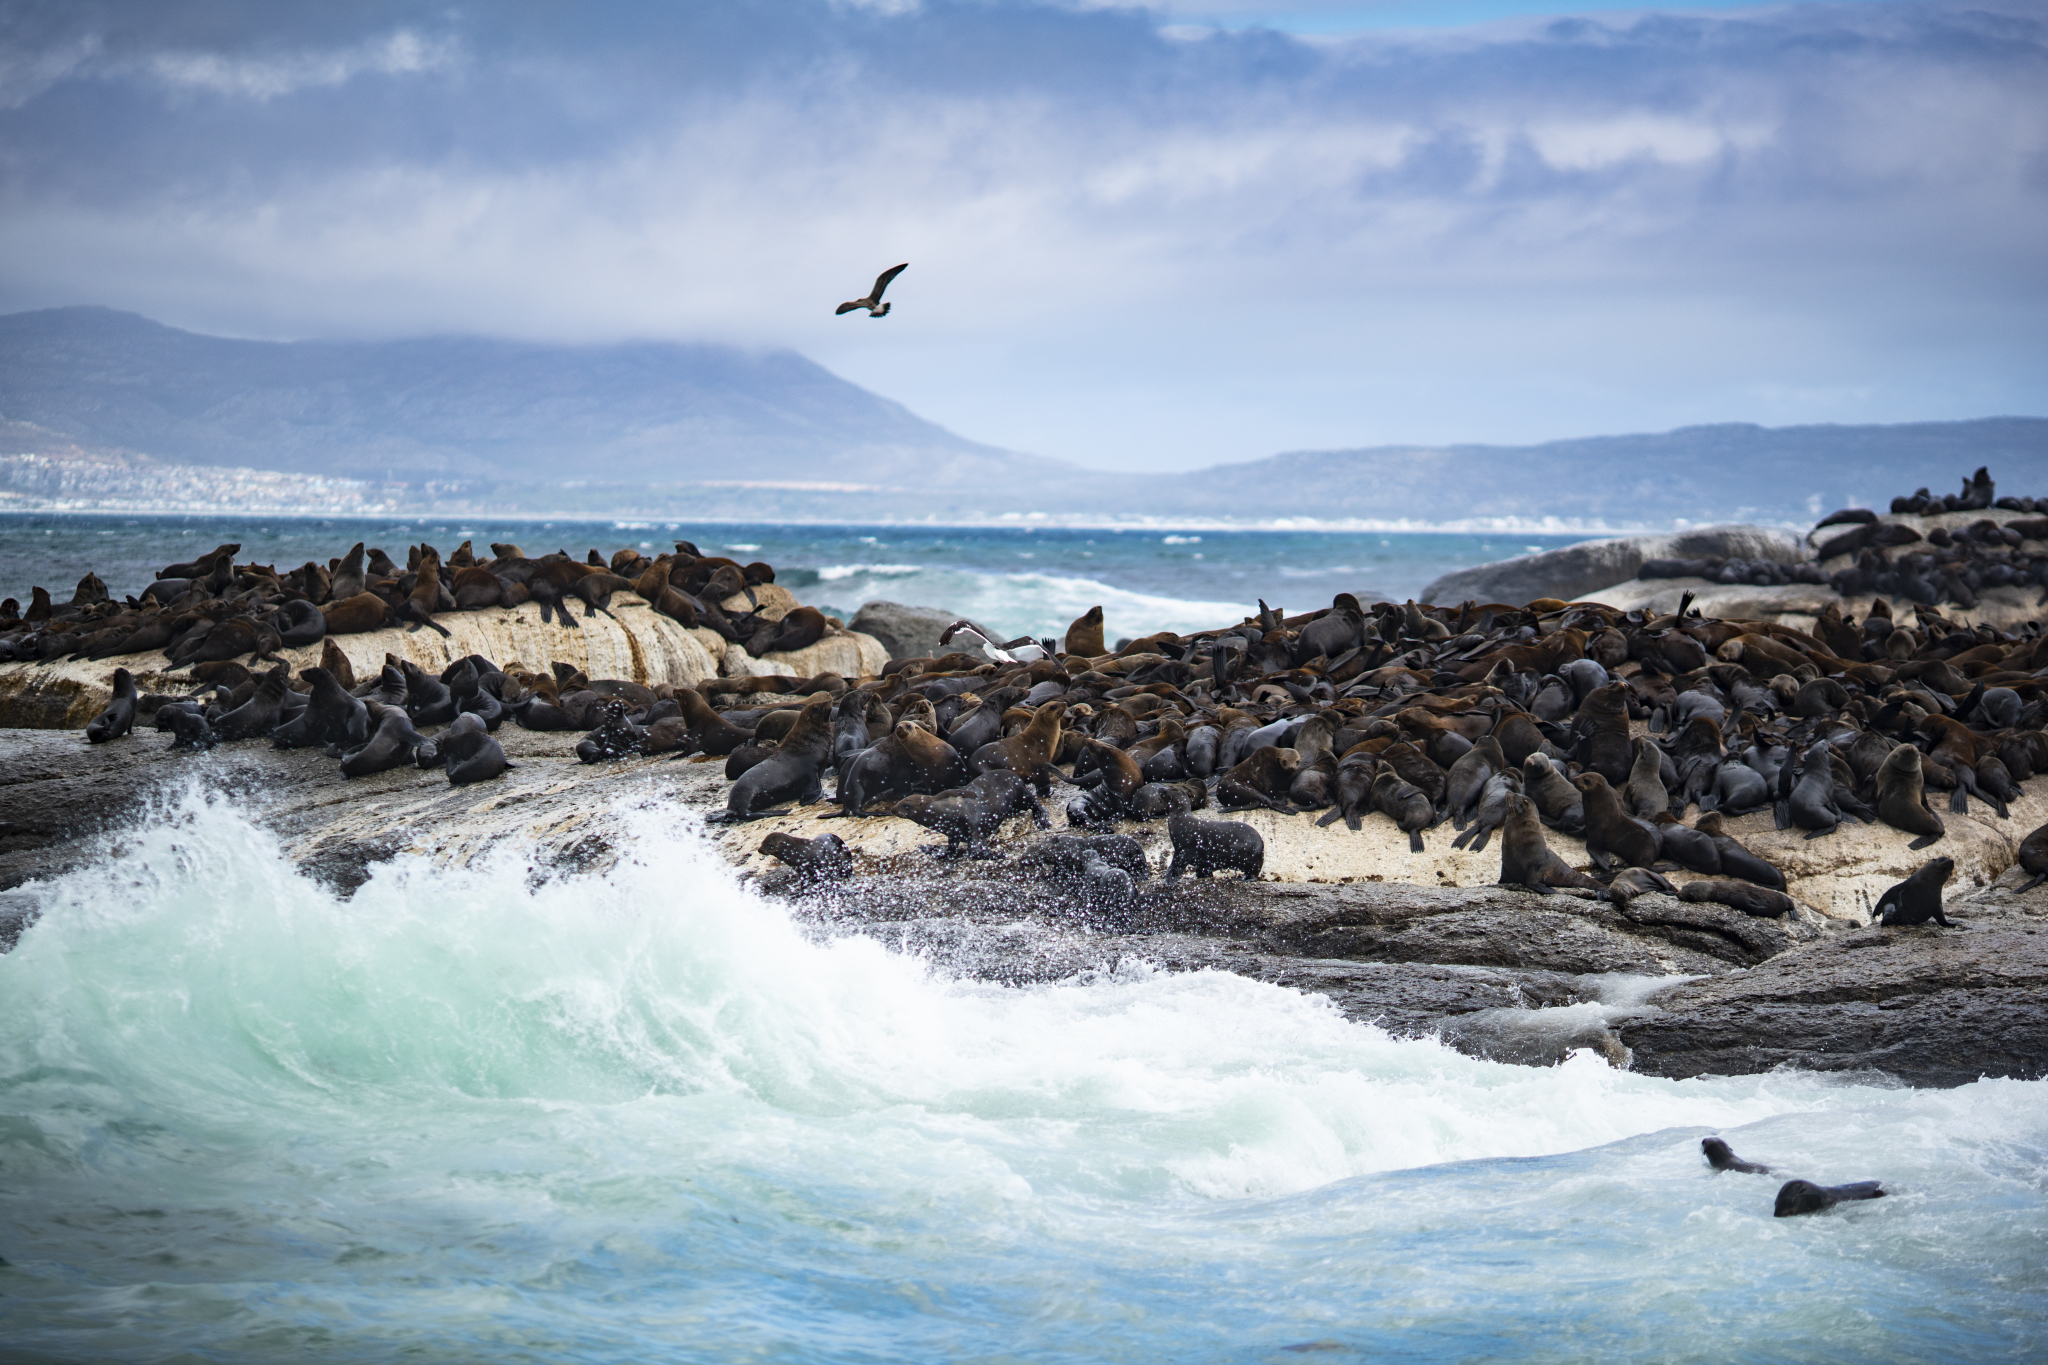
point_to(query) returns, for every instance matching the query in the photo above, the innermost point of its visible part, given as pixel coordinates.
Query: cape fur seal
(1206, 846)
(1722, 1158)
(968, 816)
(1797, 1197)
(1918, 898)
(816, 861)
(1902, 797)
(1526, 858)
(119, 716)
(794, 772)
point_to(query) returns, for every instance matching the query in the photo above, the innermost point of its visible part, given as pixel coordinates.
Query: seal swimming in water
(1206, 846)
(1722, 1158)
(1797, 1197)
(1916, 899)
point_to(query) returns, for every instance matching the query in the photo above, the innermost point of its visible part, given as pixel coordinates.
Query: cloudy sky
(1143, 238)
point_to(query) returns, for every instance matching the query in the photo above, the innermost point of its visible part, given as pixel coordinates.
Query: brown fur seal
(352, 616)
(1029, 753)
(1796, 1197)
(1084, 636)
(1261, 780)
(1902, 797)
(1353, 789)
(794, 772)
(391, 745)
(1206, 846)
(801, 629)
(335, 662)
(1736, 859)
(2033, 859)
(1526, 858)
(1722, 1158)
(816, 861)
(1747, 897)
(119, 716)
(1645, 795)
(1918, 898)
(1468, 778)
(1560, 804)
(969, 816)
(1611, 832)
(261, 713)
(1600, 730)
(1405, 804)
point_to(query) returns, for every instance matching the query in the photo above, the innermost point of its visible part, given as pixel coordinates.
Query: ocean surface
(1012, 580)
(471, 1115)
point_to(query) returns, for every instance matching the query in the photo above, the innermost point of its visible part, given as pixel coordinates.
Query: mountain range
(708, 431)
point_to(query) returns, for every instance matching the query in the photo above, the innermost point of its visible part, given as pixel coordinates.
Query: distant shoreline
(1549, 526)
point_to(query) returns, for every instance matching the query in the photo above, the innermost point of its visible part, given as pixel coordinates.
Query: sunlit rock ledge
(635, 643)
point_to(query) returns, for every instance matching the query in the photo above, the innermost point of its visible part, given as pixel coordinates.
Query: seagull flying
(873, 302)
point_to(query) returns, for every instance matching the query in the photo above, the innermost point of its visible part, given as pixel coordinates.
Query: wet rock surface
(1495, 972)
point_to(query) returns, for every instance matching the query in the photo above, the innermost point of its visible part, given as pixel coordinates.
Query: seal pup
(873, 302)
(1526, 858)
(1722, 1158)
(816, 861)
(794, 772)
(1797, 1197)
(1206, 846)
(1916, 899)
(969, 816)
(119, 716)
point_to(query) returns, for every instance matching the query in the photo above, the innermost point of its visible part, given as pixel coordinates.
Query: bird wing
(882, 280)
(847, 307)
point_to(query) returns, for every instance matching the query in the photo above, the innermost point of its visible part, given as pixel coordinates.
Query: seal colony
(1495, 718)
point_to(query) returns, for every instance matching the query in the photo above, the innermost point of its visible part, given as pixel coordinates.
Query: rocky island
(1652, 818)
